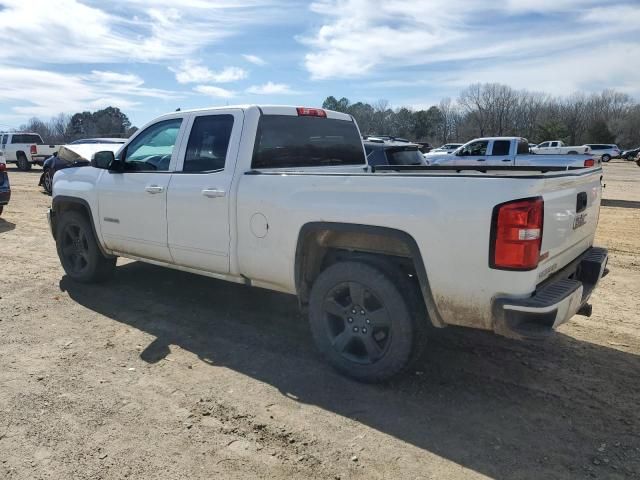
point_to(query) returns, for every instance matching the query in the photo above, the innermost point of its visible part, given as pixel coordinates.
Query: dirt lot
(163, 374)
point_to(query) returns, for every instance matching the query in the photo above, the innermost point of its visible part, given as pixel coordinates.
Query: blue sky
(151, 56)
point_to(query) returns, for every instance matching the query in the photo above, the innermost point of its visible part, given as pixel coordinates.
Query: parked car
(606, 151)
(508, 151)
(424, 147)
(283, 198)
(76, 154)
(557, 147)
(380, 152)
(446, 148)
(5, 188)
(25, 149)
(630, 154)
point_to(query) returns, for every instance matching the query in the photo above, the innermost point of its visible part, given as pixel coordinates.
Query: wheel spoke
(67, 250)
(341, 341)
(379, 318)
(333, 307)
(371, 346)
(356, 292)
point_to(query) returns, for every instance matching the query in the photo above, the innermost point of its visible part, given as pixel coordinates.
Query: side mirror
(103, 160)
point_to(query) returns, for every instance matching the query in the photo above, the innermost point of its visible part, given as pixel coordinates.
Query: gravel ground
(163, 374)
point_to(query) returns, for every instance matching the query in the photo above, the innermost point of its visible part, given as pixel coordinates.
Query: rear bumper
(554, 302)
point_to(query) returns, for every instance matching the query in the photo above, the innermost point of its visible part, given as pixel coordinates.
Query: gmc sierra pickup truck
(282, 198)
(25, 149)
(507, 151)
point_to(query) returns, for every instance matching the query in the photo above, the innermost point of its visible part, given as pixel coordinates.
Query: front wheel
(361, 322)
(606, 158)
(47, 181)
(78, 250)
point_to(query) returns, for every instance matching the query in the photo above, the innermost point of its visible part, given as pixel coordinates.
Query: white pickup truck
(557, 147)
(25, 149)
(282, 198)
(507, 151)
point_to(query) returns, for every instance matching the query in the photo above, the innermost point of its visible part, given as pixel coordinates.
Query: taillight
(590, 162)
(311, 112)
(3, 167)
(516, 234)
(33, 149)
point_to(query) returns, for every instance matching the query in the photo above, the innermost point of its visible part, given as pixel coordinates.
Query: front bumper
(554, 302)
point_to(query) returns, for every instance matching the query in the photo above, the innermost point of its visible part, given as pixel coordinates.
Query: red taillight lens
(516, 234)
(3, 167)
(589, 162)
(311, 112)
(33, 149)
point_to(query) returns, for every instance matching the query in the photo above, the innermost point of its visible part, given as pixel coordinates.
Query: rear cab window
(26, 138)
(289, 141)
(501, 147)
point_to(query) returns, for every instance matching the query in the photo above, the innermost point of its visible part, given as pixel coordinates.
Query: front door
(474, 153)
(133, 202)
(199, 195)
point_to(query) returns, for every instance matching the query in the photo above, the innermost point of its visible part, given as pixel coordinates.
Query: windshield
(405, 156)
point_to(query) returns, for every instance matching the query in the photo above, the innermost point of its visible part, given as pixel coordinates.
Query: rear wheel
(606, 158)
(360, 321)
(47, 181)
(1, 209)
(23, 163)
(78, 250)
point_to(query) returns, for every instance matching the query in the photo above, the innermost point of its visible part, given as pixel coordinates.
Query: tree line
(493, 109)
(109, 122)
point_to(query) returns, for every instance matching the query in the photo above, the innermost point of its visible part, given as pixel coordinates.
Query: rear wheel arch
(321, 244)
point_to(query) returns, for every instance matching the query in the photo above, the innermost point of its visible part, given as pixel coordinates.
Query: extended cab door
(199, 196)
(132, 203)
(501, 153)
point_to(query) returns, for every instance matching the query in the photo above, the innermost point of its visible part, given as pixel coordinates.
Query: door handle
(152, 189)
(506, 160)
(213, 192)
(481, 160)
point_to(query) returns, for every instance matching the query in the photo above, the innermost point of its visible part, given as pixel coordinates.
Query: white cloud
(45, 93)
(359, 38)
(191, 71)
(92, 31)
(254, 59)
(271, 88)
(215, 92)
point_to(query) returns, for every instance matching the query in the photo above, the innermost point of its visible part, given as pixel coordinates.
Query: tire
(78, 250)
(638, 162)
(605, 158)
(1, 209)
(23, 163)
(47, 181)
(374, 343)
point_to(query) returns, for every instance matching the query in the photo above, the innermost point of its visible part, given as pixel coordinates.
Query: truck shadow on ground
(6, 226)
(502, 408)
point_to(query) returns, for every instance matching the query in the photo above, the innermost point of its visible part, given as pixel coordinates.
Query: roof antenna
(178, 109)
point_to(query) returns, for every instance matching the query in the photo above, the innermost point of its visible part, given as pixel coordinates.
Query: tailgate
(571, 210)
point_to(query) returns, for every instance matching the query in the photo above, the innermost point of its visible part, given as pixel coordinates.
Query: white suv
(606, 151)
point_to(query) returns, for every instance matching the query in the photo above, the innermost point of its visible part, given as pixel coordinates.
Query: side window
(543, 145)
(208, 143)
(377, 157)
(523, 148)
(474, 149)
(554, 144)
(501, 147)
(151, 150)
(4, 140)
